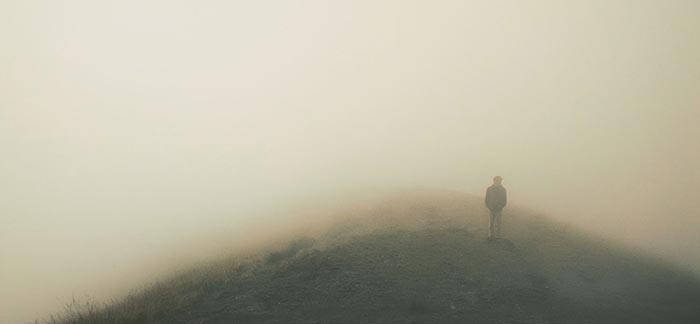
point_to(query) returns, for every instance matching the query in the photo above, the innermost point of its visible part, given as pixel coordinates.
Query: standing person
(496, 199)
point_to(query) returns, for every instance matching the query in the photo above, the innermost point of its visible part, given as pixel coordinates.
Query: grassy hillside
(420, 258)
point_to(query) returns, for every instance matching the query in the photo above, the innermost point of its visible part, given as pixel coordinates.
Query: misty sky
(128, 128)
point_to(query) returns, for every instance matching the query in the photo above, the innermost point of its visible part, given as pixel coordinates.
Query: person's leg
(498, 223)
(492, 224)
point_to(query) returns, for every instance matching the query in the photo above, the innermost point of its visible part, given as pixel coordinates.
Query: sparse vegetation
(419, 259)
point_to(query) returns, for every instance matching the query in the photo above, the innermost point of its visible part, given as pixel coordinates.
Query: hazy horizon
(131, 127)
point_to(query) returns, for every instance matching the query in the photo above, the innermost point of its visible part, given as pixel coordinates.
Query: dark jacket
(496, 197)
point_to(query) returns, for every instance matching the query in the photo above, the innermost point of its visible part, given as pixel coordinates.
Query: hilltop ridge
(422, 258)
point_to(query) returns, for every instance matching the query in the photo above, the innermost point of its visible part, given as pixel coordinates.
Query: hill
(420, 258)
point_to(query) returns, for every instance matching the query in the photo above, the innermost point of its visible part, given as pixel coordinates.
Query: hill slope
(422, 258)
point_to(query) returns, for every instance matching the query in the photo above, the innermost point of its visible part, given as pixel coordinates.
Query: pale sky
(129, 127)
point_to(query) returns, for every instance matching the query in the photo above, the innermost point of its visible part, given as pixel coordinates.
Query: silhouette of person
(496, 198)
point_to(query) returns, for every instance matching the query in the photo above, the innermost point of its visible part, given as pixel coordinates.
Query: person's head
(497, 180)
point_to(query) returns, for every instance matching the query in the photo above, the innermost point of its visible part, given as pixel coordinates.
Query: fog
(130, 129)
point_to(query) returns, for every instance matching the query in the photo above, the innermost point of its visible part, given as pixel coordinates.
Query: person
(496, 199)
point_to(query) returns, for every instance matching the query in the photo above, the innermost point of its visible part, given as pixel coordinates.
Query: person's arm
(488, 198)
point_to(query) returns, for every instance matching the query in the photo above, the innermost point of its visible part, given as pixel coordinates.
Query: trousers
(495, 224)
